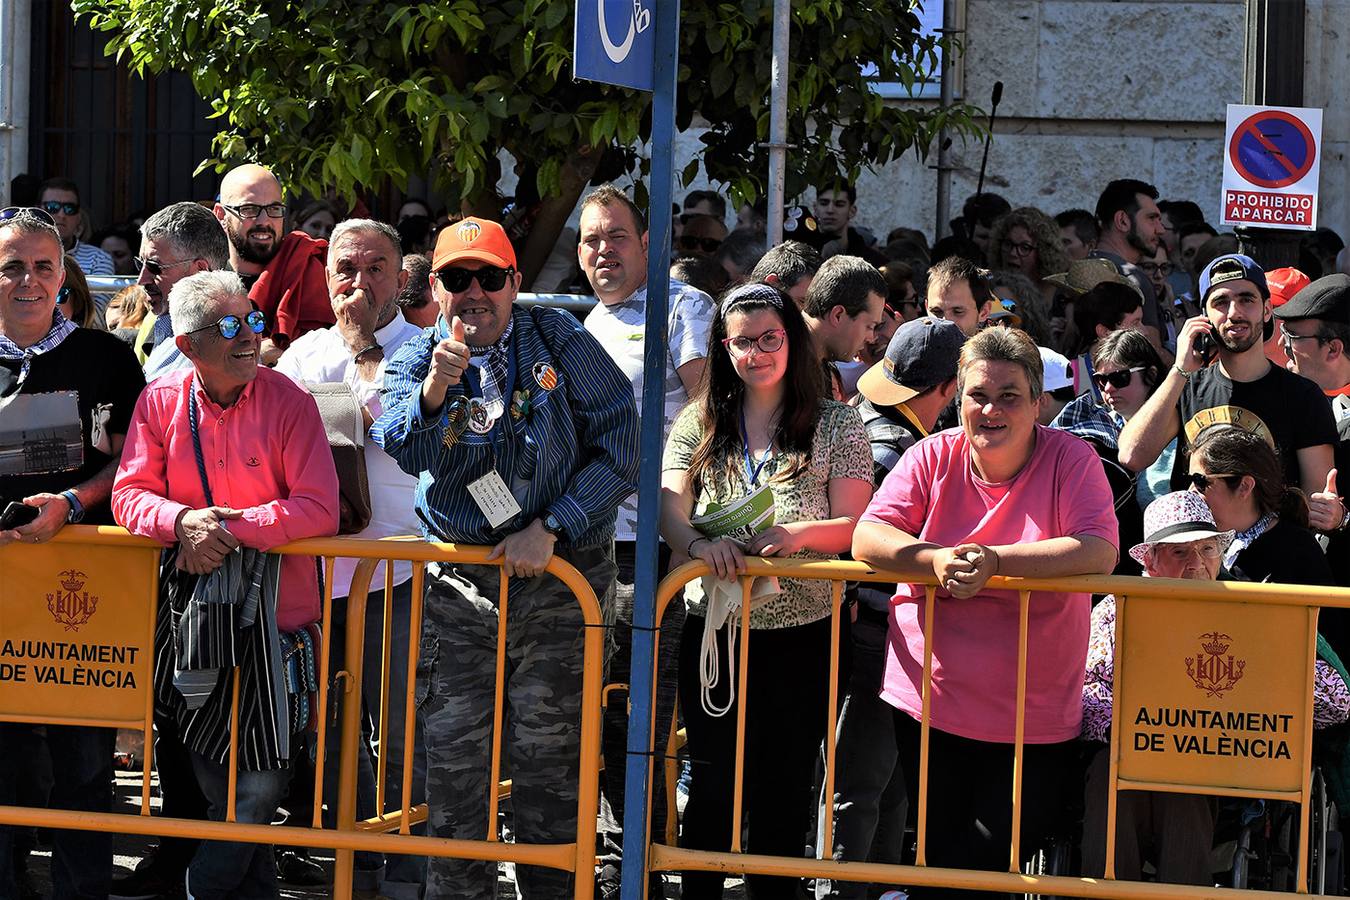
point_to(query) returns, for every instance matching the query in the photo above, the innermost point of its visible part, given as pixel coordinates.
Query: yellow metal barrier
(1237, 597)
(90, 545)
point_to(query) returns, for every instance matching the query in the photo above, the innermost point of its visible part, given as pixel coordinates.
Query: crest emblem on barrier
(1213, 669)
(72, 605)
(468, 232)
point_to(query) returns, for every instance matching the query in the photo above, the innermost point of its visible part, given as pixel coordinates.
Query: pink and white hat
(1179, 518)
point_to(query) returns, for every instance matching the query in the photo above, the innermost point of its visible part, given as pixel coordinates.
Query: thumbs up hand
(1326, 510)
(449, 359)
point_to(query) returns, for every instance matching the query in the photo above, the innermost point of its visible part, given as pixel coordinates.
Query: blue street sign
(613, 41)
(1273, 149)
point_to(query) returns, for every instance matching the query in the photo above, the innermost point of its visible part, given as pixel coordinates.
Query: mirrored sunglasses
(229, 326)
(57, 206)
(34, 212)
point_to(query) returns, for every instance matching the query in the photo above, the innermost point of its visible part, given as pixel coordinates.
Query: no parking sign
(1271, 165)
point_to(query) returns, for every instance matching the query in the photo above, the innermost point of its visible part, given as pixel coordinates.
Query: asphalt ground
(130, 849)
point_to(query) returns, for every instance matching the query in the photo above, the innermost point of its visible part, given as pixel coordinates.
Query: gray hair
(1011, 345)
(193, 230)
(368, 226)
(192, 300)
(30, 223)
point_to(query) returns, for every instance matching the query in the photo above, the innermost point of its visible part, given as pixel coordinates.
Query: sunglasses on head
(707, 245)
(490, 278)
(229, 326)
(58, 206)
(1117, 380)
(32, 212)
(1202, 482)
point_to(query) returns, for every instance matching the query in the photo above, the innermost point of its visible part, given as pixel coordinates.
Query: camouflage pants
(541, 731)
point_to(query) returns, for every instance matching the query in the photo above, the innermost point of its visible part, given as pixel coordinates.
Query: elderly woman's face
(1197, 560)
(997, 409)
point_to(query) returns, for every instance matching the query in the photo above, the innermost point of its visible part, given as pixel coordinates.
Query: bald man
(284, 273)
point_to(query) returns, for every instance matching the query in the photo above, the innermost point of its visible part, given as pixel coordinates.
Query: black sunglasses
(155, 267)
(229, 326)
(253, 210)
(32, 212)
(1202, 482)
(1117, 380)
(490, 278)
(707, 245)
(57, 206)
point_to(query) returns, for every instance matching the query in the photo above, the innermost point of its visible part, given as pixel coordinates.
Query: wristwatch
(553, 526)
(76, 509)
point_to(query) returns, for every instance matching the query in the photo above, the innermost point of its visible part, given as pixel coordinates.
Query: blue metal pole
(642, 682)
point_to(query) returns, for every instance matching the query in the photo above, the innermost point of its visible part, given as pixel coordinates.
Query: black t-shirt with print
(1287, 409)
(56, 429)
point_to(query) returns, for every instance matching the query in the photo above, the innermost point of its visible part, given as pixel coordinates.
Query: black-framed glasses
(691, 243)
(490, 278)
(1287, 340)
(1018, 248)
(60, 206)
(1202, 482)
(155, 267)
(229, 326)
(1117, 380)
(770, 341)
(253, 210)
(1152, 268)
(34, 212)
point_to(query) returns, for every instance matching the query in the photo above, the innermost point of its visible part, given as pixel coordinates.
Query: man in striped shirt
(524, 436)
(60, 197)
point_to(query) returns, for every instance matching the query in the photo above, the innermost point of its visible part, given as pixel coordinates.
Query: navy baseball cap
(923, 353)
(1232, 267)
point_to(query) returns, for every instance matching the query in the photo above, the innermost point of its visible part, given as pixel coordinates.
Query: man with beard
(284, 275)
(179, 240)
(1242, 389)
(1132, 228)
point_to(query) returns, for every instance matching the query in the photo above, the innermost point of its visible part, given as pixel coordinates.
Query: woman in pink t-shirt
(999, 496)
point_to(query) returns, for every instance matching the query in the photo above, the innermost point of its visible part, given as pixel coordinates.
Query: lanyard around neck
(752, 472)
(197, 441)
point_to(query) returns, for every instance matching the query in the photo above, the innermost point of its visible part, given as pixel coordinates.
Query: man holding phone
(66, 398)
(1222, 377)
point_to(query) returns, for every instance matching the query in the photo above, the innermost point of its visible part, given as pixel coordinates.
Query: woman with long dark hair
(1243, 482)
(763, 440)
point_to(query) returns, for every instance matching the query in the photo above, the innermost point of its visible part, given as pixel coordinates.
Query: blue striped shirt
(574, 454)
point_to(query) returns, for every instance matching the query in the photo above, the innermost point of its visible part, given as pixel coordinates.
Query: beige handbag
(345, 425)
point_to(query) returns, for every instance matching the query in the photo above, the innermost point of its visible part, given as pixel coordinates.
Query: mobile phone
(1205, 347)
(17, 514)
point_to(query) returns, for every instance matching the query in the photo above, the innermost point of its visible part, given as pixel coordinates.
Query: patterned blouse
(840, 450)
(1331, 698)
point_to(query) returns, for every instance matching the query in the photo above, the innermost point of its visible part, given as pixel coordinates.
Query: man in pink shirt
(1002, 495)
(224, 459)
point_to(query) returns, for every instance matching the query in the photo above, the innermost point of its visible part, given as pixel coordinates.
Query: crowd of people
(1032, 395)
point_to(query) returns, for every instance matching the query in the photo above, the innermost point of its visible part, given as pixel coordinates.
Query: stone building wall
(1092, 90)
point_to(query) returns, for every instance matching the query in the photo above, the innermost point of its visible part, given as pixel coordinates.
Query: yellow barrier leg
(344, 865)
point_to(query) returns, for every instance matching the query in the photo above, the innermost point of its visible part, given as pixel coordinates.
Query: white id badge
(494, 499)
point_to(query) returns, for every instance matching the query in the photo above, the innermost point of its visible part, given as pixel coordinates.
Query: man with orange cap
(524, 436)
